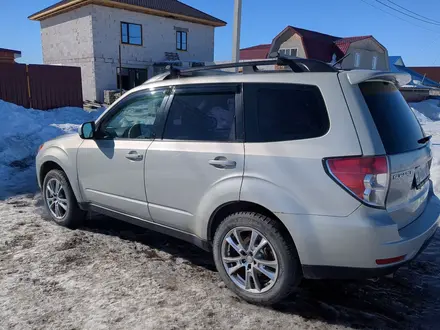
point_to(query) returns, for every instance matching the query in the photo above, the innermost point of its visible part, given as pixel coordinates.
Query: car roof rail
(296, 64)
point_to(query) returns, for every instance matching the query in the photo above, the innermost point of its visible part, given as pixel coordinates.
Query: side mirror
(87, 130)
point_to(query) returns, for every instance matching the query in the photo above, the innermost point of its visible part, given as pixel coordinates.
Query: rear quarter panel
(289, 176)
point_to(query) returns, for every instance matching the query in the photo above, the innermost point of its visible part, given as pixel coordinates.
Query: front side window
(181, 42)
(131, 34)
(201, 117)
(280, 112)
(137, 118)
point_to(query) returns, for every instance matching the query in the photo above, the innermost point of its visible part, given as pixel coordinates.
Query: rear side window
(398, 127)
(283, 112)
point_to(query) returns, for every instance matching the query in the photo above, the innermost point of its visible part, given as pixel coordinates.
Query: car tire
(279, 250)
(60, 201)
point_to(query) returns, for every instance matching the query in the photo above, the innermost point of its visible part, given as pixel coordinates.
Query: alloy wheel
(249, 260)
(56, 199)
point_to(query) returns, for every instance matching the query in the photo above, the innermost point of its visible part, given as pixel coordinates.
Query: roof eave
(79, 3)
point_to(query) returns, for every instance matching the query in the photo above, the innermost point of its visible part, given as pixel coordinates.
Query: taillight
(365, 177)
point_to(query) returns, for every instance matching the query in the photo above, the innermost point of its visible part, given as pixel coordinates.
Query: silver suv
(315, 173)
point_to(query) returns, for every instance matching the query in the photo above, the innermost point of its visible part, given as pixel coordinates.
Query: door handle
(133, 155)
(222, 162)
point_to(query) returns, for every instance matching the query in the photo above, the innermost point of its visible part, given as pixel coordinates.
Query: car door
(199, 162)
(111, 166)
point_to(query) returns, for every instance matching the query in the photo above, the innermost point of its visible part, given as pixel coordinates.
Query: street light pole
(237, 31)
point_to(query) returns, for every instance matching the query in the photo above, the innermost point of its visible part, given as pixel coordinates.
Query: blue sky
(263, 19)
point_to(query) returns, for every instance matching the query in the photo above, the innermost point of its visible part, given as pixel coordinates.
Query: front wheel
(255, 259)
(60, 200)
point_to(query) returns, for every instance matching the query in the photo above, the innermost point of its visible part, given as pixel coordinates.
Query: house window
(357, 60)
(131, 34)
(289, 51)
(374, 64)
(181, 40)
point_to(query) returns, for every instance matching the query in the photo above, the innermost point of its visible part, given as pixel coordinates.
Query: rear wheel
(60, 201)
(254, 258)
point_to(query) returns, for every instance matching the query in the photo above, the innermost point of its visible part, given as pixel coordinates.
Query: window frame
(180, 39)
(251, 124)
(290, 51)
(357, 60)
(374, 62)
(128, 34)
(116, 108)
(215, 88)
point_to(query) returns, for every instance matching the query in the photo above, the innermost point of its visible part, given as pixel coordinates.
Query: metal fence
(41, 87)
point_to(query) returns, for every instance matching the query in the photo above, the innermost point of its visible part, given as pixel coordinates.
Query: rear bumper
(348, 247)
(330, 272)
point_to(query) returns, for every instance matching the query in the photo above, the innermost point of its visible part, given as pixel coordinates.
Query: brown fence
(41, 86)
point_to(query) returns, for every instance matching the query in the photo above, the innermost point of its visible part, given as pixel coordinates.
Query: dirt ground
(111, 275)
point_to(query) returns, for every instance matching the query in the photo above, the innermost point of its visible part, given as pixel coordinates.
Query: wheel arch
(229, 208)
(49, 163)
(48, 166)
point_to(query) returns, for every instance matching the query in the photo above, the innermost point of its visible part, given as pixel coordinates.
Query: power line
(413, 12)
(398, 17)
(406, 14)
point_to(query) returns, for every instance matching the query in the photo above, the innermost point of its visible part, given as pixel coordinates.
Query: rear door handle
(222, 162)
(133, 155)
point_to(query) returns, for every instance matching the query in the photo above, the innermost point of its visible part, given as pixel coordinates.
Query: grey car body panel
(405, 202)
(62, 151)
(111, 180)
(185, 188)
(356, 77)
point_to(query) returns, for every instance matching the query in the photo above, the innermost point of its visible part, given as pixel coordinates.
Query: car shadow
(178, 248)
(411, 299)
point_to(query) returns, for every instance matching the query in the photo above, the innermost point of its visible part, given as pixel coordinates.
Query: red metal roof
(317, 45)
(344, 43)
(432, 72)
(255, 52)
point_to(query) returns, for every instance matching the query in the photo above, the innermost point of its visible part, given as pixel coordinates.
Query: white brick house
(89, 33)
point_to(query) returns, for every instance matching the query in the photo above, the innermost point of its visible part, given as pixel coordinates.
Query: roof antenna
(341, 59)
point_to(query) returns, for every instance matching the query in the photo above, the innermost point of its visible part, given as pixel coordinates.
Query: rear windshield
(398, 127)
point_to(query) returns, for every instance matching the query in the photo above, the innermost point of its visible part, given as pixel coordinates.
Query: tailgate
(409, 185)
(409, 155)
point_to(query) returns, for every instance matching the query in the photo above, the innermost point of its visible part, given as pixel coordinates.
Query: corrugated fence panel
(13, 84)
(55, 86)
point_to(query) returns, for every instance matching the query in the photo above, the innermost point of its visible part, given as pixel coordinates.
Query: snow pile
(21, 132)
(428, 113)
(421, 117)
(428, 108)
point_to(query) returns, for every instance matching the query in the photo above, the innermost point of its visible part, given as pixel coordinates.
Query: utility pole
(120, 69)
(237, 31)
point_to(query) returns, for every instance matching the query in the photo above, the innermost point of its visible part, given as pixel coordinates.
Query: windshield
(398, 127)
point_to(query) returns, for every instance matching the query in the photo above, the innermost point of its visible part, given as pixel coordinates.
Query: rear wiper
(425, 139)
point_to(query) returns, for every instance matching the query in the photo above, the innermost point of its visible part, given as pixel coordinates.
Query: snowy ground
(113, 275)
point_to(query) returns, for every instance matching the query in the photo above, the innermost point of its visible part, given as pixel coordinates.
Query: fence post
(28, 87)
